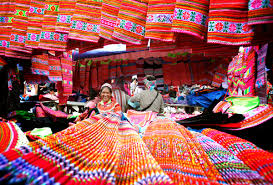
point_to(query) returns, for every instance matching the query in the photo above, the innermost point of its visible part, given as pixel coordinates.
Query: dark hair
(107, 88)
(150, 77)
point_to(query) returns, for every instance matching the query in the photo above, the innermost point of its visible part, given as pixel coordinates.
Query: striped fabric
(55, 69)
(245, 150)
(94, 75)
(260, 12)
(35, 20)
(130, 25)
(40, 65)
(159, 20)
(232, 169)
(109, 15)
(66, 64)
(85, 23)
(228, 23)
(87, 83)
(190, 17)
(65, 14)
(19, 26)
(176, 154)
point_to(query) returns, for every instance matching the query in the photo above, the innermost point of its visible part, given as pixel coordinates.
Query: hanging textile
(158, 45)
(85, 23)
(190, 17)
(86, 86)
(66, 64)
(19, 26)
(260, 12)
(55, 69)
(228, 23)
(158, 73)
(35, 21)
(94, 75)
(82, 65)
(130, 25)
(219, 75)
(109, 14)
(40, 65)
(65, 14)
(159, 20)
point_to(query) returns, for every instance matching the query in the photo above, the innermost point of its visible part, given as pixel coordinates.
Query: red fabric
(94, 75)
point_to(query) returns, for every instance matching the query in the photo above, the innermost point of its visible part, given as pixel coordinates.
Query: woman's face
(105, 95)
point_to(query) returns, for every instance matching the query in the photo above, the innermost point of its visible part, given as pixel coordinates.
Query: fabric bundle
(228, 23)
(260, 12)
(130, 25)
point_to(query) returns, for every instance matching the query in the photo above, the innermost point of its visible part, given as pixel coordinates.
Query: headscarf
(150, 84)
(106, 85)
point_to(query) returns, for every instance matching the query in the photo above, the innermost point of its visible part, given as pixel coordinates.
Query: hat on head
(106, 85)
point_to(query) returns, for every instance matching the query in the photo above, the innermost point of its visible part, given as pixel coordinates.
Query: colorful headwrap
(150, 84)
(106, 85)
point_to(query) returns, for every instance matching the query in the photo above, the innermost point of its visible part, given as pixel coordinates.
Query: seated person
(105, 104)
(149, 99)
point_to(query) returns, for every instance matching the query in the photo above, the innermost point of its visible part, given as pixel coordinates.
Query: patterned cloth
(130, 24)
(66, 63)
(245, 151)
(228, 23)
(40, 65)
(55, 69)
(190, 17)
(11, 136)
(260, 12)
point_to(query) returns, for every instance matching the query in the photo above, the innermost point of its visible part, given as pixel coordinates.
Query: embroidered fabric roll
(109, 15)
(35, 19)
(130, 26)
(65, 14)
(159, 20)
(190, 17)
(86, 21)
(55, 69)
(260, 12)
(228, 23)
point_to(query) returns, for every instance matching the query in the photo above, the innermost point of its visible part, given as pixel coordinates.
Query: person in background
(30, 92)
(105, 104)
(134, 89)
(119, 93)
(149, 99)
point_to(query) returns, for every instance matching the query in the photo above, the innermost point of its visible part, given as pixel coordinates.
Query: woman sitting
(105, 104)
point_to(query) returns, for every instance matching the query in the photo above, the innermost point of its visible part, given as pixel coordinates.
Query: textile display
(55, 69)
(82, 70)
(228, 23)
(94, 75)
(190, 17)
(260, 84)
(2, 63)
(11, 136)
(40, 65)
(167, 154)
(245, 151)
(130, 24)
(219, 75)
(51, 113)
(260, 12)
(86, 86)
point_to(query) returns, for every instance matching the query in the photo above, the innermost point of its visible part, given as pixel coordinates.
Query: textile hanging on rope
(228, 23)
(40, 65)
(66, 63)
